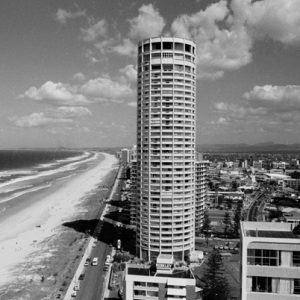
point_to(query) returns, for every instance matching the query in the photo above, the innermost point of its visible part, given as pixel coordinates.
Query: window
(296, 258)
(167, 45)
(187, 48)
(297, 286)
(263, 257)
(146, 47)
(156, 46)
(179, 46)
(262, 284)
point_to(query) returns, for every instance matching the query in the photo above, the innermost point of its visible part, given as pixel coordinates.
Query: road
(92, 286)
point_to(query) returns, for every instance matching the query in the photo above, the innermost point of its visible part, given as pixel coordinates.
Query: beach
(38, 253)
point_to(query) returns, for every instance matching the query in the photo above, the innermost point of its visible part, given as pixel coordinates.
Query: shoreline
(83, 198)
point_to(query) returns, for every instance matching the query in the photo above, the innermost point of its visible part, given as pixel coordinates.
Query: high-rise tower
(166, 147)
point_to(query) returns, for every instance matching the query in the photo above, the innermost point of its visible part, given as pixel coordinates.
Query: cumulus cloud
(104, 88)
(148, 23)
(126, 48)
(226, 31)
(56, 93)
(95, 31)
(265, 105)
(275, 98)
(130, 73)
(223, 42)
(276, 19)
(61, 115)
(78, 76)
(38, 120)
(62, 16)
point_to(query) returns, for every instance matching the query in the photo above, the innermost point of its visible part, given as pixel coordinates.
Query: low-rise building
(270, 261)
(167, 282)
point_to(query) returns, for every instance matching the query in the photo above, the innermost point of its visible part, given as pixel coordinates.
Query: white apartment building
(166, 110)
(270, 261)
(200, 179)
(167, 282)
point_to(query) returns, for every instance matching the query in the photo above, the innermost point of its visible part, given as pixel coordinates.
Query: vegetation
(206, 223)
(227, 223)
(236, 220)
(215, 284)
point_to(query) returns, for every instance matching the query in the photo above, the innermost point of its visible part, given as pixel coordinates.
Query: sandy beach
(33, 235)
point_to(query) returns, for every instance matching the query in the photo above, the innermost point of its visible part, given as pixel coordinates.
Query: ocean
(39, 191)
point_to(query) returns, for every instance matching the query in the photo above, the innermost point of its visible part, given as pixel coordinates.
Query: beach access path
(95, 281)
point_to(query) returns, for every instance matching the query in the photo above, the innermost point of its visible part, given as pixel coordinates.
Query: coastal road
(91, 287)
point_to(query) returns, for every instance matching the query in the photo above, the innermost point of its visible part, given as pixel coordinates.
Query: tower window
(167, 46)
(156, 46)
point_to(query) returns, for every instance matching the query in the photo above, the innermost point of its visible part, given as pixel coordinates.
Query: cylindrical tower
(166, 147)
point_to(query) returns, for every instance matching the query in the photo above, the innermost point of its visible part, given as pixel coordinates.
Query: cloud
(276, 19)
(105, 89)
(223, 42)
(72, 111)
(275, 98)
(130, 73)
(55, 93)
(37, 120)
(225, 32)
(62, 16)
(264, 106)
(148, 23)
(125, 48)
(61, 115)
(78, 76)
(132, 104)
(95, 31)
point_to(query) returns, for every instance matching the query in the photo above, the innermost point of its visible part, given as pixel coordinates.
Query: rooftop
(143, 270)
(271, 230)
(272, 234)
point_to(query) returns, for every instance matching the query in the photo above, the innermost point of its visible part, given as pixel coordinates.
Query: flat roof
(145, 271)
(271, 234)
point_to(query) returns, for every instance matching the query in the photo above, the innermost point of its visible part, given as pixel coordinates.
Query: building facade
(165, 283)
(200, 193)
(166, 147)
(270, 261)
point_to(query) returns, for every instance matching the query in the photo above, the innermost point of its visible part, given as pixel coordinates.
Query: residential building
(166, 147)
(200, 185)
(270, 261)
(125, 156)
(164, 282)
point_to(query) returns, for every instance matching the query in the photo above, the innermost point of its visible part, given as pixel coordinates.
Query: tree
(206, 223)
(236, 219)
(227, 223)
(215, 284)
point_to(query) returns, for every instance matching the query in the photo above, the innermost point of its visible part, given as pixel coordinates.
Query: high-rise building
(166, 147)
(200, 189)
(270, 261)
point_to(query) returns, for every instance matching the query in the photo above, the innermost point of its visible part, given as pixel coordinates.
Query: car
(95, 261)
(74, 294)
(105, 268)
(81, 276)
(87, 262)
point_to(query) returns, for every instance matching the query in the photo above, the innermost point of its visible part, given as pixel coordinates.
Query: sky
(68, 69)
